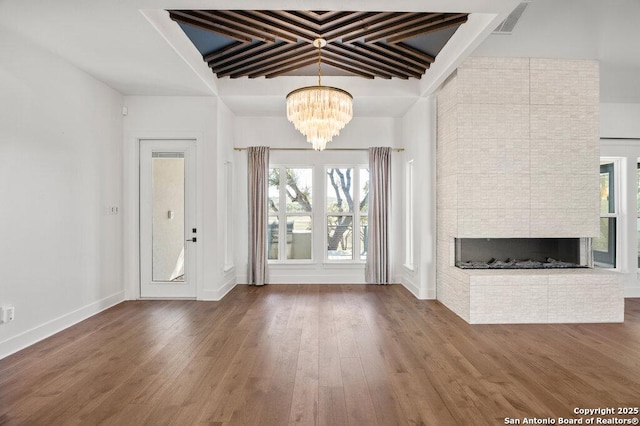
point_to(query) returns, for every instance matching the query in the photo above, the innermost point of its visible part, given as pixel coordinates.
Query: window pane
(604, 246)
(607, 201)
(274, 190)
(339, 190)
(299, 237)
(339, 237)
(364, 190)
(168, 217)
(638, 199)
(272, 238)
(299, 190)
(364, 235)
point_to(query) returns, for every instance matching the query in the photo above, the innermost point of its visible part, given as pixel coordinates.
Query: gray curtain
(258, 157)
(377, 268)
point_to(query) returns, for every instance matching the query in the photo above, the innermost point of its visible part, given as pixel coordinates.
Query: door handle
(193, 240)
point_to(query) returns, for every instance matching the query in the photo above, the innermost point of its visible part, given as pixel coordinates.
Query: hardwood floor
(317, 354)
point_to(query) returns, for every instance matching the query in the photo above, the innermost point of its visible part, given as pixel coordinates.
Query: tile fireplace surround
(517, 157)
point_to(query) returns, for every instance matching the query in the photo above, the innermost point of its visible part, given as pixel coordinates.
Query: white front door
(168, 232)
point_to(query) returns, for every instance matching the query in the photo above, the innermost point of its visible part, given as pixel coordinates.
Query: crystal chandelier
(319, 112)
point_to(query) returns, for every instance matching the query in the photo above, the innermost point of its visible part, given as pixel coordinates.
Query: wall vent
(507, 26)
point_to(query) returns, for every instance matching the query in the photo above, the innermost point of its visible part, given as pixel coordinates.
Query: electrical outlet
(7, 314)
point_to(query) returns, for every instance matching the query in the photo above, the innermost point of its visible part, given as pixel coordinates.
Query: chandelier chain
(319, 61)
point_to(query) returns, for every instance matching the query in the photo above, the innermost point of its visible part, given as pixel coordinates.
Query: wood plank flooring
(316, 355)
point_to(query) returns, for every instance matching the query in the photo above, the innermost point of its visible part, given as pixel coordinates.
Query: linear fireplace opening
(522, 253)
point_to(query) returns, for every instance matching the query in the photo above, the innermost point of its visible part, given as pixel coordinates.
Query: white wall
(620, 120)
(60, 168)
(278, 132)
(621, 123)
(226, 139)
(175, 118)
(418, 139)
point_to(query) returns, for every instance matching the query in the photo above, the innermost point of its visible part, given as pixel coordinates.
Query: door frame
(131, 209)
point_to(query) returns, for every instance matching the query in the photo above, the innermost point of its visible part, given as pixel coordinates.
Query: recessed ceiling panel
(246, 43)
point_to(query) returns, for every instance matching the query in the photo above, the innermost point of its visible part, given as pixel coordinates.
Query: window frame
(282, 215)
(615, 175)
(638, 212)
(356, 214)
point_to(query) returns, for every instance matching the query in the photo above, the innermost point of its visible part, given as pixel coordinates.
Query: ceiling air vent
(507, 26)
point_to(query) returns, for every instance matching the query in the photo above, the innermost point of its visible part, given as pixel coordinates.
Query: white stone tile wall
(517, 156)
(519, 134)
(534, 296)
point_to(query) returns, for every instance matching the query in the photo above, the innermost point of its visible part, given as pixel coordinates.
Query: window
(638, 208)
(290, 213)
(408, 212)
(347, 205)
(604, 246)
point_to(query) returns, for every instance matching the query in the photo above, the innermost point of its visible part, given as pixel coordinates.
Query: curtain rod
(621, 139)
(311, 149)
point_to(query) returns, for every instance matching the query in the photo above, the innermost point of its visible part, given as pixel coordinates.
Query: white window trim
(637, 255)
(356, 214)
(617, 193)
(228, 216)
(409, 218)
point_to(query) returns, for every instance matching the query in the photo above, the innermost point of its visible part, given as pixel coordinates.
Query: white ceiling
(608, 31)
(132, 46)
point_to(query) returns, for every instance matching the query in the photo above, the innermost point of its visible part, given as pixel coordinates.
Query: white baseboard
(631, 292)
(216, 295)
(411, 286)
(49, 328)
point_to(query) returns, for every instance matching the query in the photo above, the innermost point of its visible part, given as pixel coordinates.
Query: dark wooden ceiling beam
(281, 64)
(360, 24)
(419, 22)
(270, 43)
(226, 50)
(283, 34)
(295, 19)
(390, 26)
(234, 25)
(282, 71)
(349, 69)
(382, 50)
(285, 67)
(268, 59)
(275, 25)
(446, 23)
(252, 51)
(415, 69)
(391, 67)
(246, 47)
(361, 65)
(409, 53)
(320, 19)
(203, 24)
(348, 20)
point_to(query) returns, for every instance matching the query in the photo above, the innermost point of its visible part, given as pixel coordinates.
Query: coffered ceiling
(134, 47)
(261, 43)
